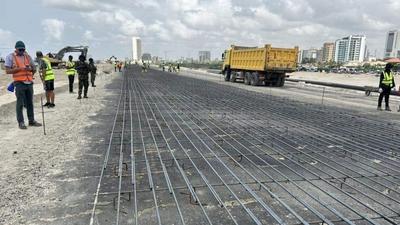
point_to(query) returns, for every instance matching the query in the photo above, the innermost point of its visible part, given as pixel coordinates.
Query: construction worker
(119, 66)
(47, 75)
(386, 85)
(22, 68)
(93, 70)
(71, 73)
(144, 67)
(83, 70)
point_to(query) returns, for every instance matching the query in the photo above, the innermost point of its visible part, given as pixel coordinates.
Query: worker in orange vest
(22, 68)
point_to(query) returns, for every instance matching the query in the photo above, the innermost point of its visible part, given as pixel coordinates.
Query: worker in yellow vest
(386, 85)
(71, 73)
(47, 76)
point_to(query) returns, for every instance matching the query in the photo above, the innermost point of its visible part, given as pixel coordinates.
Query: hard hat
(39, 54)
(19, 45)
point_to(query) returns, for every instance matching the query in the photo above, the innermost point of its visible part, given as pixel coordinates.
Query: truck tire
(247, 78)
(254, 79)
(233, 78)
(227, 74)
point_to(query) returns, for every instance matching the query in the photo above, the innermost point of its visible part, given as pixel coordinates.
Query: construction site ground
(150, 129)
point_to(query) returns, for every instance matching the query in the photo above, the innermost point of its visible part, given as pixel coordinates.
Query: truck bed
(264, 59)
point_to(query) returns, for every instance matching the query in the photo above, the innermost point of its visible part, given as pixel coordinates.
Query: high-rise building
(136, 49)
(350, 49)
(328, 52)
(392, 46)
(204, 56)
(300, 57)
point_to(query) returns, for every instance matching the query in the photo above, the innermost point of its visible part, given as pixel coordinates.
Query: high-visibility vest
(387, 79)
(49, 71)
(70, 69)
(22, 76)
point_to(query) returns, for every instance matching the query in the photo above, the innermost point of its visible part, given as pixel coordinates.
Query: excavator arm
(56, 59)
(82, 49)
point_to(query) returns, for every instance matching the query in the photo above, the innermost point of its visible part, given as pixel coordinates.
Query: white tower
(136, 49)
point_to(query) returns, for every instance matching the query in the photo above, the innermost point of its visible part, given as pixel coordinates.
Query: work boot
(22, 126)
(387, 108)
(79, 97)
(35, 124)
(379, 108)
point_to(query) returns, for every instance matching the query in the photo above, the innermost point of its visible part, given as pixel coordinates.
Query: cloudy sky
(181, 28)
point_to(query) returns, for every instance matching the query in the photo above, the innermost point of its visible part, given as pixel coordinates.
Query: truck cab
(226, 56)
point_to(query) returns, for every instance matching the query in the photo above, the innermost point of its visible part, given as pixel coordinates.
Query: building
(350, 49)
(300, 57)
(146, 57)
(136, 49)
(204, 56)
(309, 55)
(155, 59)
(392, 46)
(328, 52)
(320, 54)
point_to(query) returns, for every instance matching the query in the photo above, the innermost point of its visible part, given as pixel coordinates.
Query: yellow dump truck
(256, 66)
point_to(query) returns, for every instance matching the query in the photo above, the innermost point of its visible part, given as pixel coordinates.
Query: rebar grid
(188, 151)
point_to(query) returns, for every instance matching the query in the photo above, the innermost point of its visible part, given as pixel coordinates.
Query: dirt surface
(349, 79)
(40, 175)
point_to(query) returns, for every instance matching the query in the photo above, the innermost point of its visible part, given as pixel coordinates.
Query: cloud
(6, 38)
(121, 19)
(158, 29)
(148, 4)
(53, 29)
(77, 5)
(88, 35)
(192, 25)
(180, 30)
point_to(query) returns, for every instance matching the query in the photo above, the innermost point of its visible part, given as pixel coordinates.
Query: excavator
(112, 59)
(56, 58)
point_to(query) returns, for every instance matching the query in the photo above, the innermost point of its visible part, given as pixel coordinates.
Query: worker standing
(119, 66)
(83, 70)
(47, 75)
(22, 68)
(386, 85)
(71, 73)
(93, 70)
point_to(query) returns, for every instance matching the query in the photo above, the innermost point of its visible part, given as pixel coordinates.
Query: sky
(182, 28)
